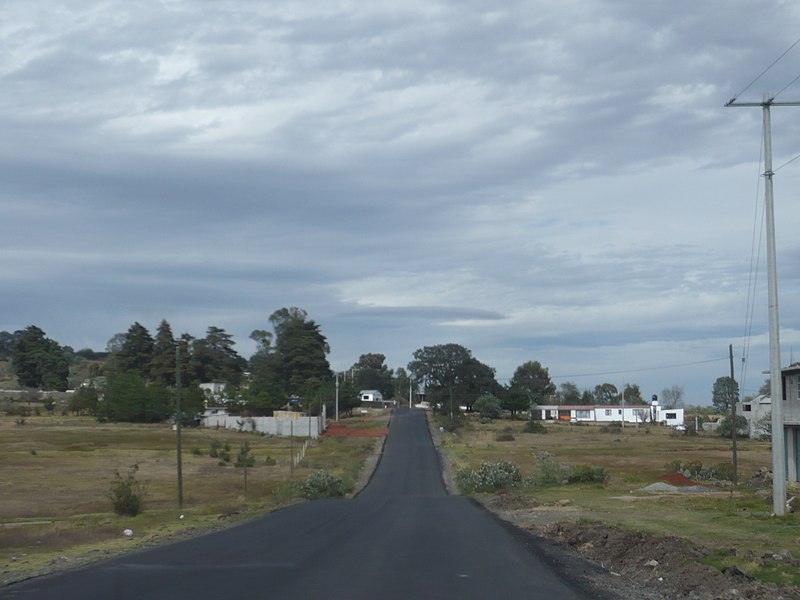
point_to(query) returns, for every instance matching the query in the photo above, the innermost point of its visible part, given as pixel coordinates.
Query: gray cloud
(538, 182)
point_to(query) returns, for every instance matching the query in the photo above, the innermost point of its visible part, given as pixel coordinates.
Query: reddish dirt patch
(339, 430)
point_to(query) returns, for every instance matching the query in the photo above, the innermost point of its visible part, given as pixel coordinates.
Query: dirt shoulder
(618, 563)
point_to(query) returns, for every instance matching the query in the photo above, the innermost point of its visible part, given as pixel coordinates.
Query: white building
(372, 396)
(758, 413)
(609, 413)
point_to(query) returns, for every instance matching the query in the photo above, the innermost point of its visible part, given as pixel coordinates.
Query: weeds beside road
(727, 528)
(56, 474)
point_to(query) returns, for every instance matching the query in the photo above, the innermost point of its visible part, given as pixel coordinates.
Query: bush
(613, 427)
(488, 406)
(534, 427)
(587, 474)
(244, 458)
(223, 453)
(725, 428)
(126, 493)
(321, 484)
(504, 436)
(270, 462)
(551, 472)
(695, 470)
(453, 425)
(489, 477)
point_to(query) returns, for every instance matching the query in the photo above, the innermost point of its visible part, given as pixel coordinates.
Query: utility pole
(775, 383)
(178, 419)
(337, 396)
(733, 416)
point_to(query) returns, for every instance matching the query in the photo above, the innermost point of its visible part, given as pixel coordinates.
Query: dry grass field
(56, 472)
(735, 522)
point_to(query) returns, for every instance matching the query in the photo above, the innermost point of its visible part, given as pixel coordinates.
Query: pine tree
(162, 364)
(136, 352)
(38, 361)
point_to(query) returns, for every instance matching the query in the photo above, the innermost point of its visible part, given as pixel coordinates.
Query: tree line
(135, 378)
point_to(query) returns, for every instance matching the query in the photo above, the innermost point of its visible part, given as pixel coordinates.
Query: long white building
(609, 413)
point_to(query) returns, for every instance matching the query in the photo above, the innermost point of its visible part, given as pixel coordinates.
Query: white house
(609, 413)
(372, 396)
(758, 413)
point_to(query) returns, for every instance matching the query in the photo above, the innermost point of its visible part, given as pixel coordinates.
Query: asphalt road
(402, 537)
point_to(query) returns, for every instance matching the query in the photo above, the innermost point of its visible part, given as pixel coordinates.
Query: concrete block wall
(299, 426)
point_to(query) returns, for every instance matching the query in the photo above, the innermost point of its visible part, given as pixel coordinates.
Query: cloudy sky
(533, 180)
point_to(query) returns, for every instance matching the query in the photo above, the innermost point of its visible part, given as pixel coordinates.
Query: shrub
(551, 472)
(489, 477)
(453, 425)
(613, 427)
(695, 470)
(244, 457)
(504, 436)
(534, 427)
(126, 493)
(270, 462)
(720, 471)
(321, 484)
(488, 406)
(587, 474)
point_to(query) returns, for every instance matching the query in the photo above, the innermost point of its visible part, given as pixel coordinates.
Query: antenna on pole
(775, 380)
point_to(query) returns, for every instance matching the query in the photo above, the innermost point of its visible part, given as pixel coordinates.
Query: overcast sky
(533, 180)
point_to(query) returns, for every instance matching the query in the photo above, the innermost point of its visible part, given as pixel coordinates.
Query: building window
(747, 407)
(583, 414)
(608, 412)
(672, 415)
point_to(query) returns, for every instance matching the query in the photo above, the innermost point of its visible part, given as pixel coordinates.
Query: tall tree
(474, 380)
(724, 394)
(632, 394)
(290, 361)
(7, 340)
(516, 399)
(136, 352)
(534, 379)
(162, 364)
(450, 371)
(672, 397)
(569, 393)
(38, 361)
(605, 393)
(214, 358)
(438, 366)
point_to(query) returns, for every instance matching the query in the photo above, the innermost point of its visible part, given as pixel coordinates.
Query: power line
(755, 261)
(764, 72)
(658, 368)
(787, 163)
(787, 86)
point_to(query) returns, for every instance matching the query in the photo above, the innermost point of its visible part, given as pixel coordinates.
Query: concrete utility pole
(775, 383)
(337, 396)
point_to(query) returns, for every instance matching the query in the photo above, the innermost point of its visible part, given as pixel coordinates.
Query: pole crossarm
(763, 103)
